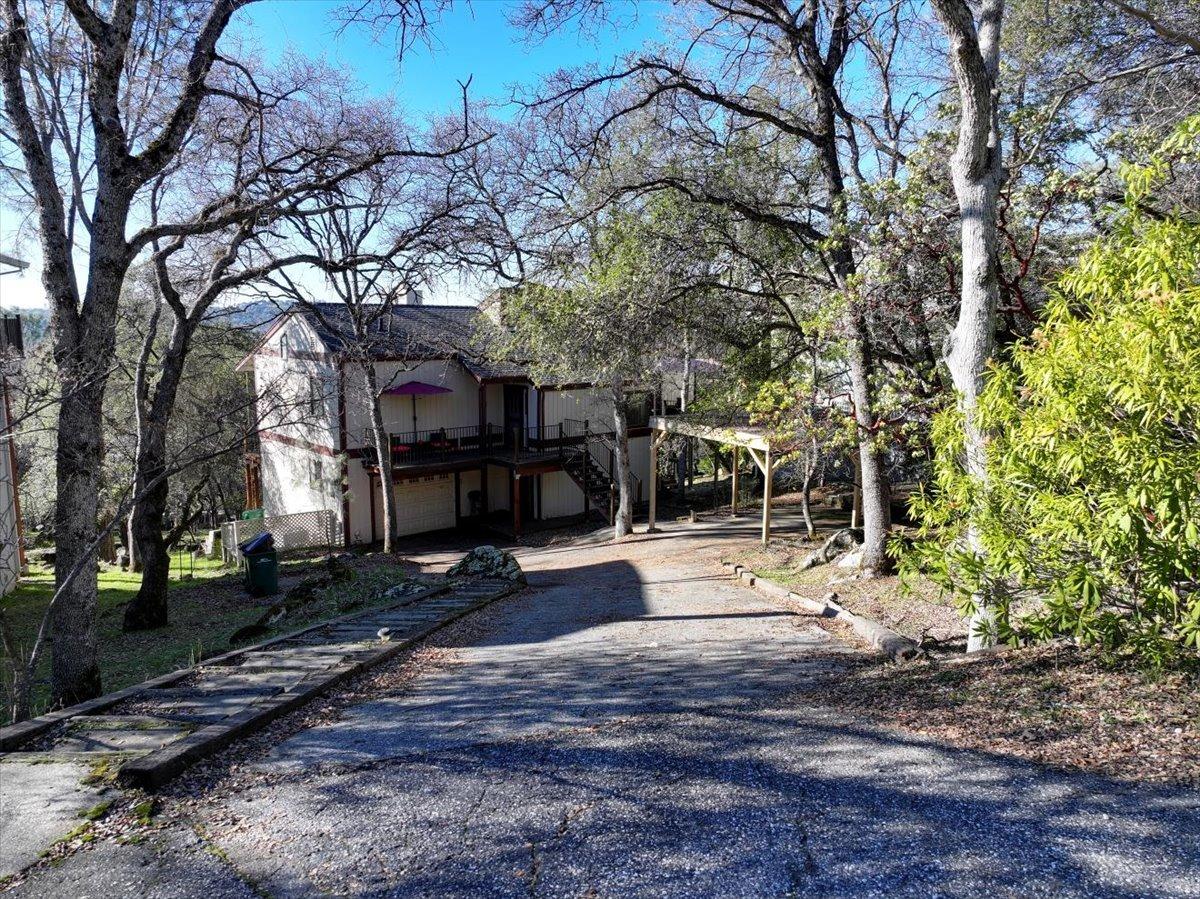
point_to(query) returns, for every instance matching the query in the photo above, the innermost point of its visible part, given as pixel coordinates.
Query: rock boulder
(487, 561)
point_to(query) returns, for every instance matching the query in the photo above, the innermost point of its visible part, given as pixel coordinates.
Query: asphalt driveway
(637, 725)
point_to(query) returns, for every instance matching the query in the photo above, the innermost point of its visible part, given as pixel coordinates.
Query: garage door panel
(426, 505)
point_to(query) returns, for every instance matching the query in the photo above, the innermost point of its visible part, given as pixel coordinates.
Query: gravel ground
(635, 724)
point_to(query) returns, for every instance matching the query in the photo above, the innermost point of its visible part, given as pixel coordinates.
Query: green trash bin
(262, 573)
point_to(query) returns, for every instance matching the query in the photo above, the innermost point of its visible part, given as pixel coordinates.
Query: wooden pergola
(753, 440)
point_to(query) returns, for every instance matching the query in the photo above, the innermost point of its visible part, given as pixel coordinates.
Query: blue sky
(470, 40)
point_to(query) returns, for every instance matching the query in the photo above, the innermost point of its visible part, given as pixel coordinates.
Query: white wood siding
(581, 405)
(560, 495)
(457, 409)
(295, 479)
(297, 396)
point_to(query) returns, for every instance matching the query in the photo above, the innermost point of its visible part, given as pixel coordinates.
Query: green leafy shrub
(1089, 518)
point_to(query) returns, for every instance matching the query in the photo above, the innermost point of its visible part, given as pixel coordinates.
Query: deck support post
(766, 510)
(483, 490)
(733, 499)
(765, 465)
(516, 503)
(716, 460)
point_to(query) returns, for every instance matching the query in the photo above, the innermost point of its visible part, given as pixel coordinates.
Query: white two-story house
(472, 442)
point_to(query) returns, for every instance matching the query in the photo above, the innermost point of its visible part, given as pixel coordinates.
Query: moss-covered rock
(487, 561)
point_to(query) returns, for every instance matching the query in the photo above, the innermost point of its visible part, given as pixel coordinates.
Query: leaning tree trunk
(623, 522)
(810, 466)
(977, 171)
(383, 452)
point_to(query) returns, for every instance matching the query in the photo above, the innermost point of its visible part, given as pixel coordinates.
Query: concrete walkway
(638, 725)
(44, 785)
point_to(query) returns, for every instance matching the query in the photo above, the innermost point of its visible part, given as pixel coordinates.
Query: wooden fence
(296, 531)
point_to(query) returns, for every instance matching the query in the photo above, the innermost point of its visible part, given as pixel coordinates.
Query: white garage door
(426, 505)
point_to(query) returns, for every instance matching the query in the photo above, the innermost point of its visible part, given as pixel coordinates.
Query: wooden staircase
(596, 484)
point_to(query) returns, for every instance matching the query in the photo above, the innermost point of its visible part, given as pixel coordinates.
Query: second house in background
(473, 442)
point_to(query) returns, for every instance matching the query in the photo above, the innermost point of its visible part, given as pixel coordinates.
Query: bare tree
(302, 170)
(217, 437)
(57, 63)
(102, 102)
(777, 82)
(391, 230)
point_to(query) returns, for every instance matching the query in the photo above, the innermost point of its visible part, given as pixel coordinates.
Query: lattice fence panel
(298, 530)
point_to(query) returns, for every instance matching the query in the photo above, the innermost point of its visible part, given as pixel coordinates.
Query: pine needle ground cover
(1054, 704)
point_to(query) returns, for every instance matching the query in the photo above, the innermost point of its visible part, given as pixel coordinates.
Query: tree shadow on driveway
(612, 736)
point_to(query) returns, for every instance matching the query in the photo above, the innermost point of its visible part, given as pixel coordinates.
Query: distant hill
(256, 315)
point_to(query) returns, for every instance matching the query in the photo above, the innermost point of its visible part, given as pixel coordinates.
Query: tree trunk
(383, 451)
(74, 666)
(877, 520)
(810, 466)
(977, 171)
(135, 560)
(876, 491)
(623, 521)
(813, 454)
(149, 607)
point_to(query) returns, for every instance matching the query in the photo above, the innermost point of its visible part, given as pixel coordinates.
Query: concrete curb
(897, 647)
(152, 771)
(14, 736)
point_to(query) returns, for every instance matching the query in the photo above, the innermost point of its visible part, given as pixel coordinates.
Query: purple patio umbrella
(416, 389)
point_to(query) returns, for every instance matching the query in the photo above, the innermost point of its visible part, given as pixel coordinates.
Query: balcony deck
(449, 449)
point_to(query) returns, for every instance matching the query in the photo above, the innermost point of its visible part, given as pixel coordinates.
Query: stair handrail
(607, 439)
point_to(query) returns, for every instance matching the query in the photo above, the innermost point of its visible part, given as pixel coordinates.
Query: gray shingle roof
(408, 331)
(413, 332)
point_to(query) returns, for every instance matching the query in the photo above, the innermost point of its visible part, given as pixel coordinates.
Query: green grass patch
(84, 833)
(206, 606)
(102, 771)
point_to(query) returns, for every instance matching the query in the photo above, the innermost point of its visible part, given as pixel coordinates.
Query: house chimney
(412, 297)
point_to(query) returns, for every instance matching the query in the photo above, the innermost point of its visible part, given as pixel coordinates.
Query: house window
(284, 349)
(315, 472)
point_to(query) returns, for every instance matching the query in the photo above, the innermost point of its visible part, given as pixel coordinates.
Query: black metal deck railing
(441, 445)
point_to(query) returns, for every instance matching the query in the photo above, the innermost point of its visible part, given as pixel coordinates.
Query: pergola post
(655, 440)
(766, 512)
(757, 445)
(733, 500)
